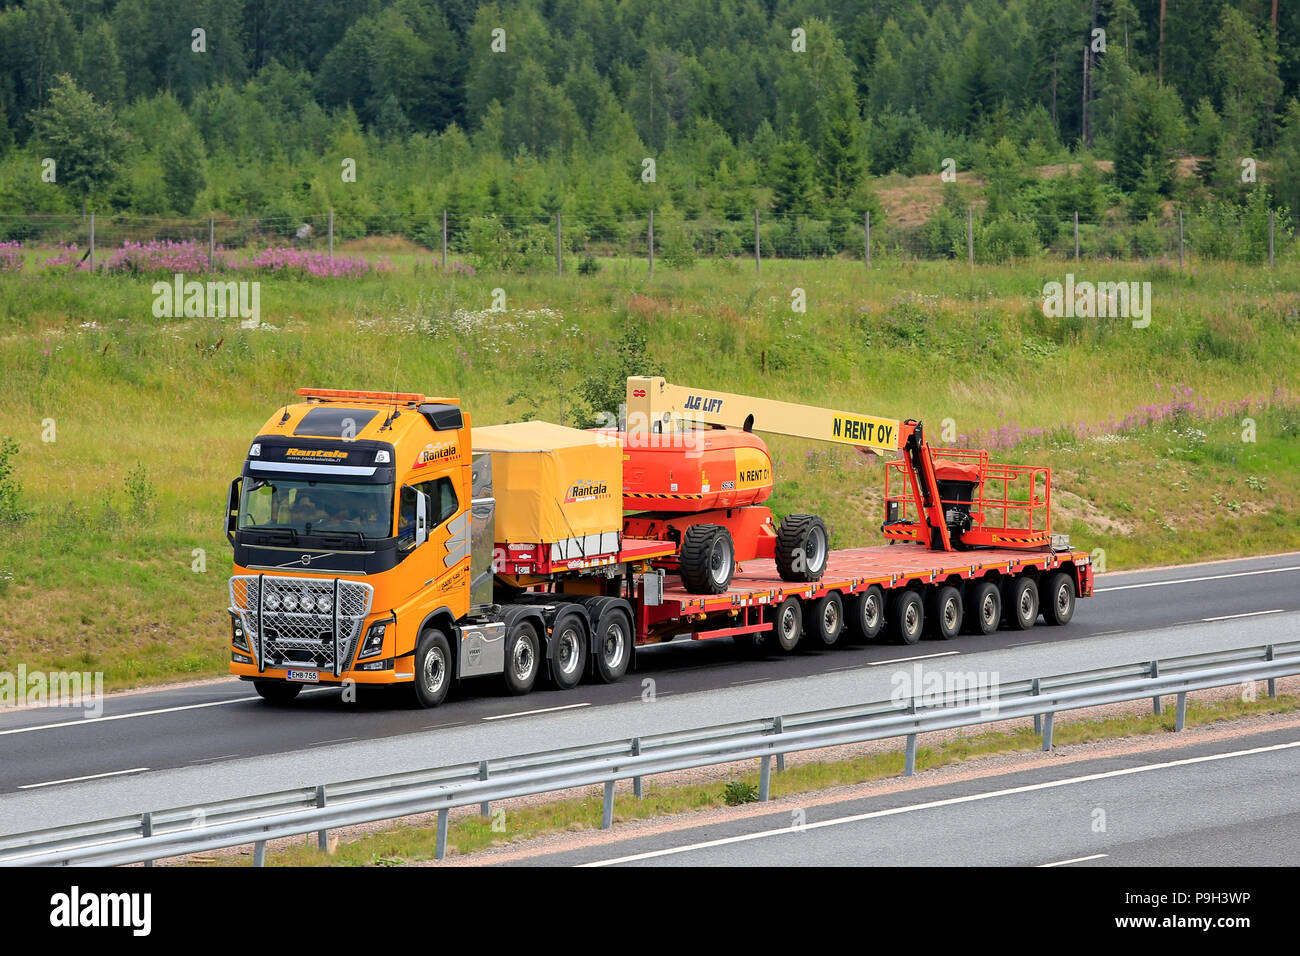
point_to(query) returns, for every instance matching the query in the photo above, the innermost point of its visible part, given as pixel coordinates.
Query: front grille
(323, 639)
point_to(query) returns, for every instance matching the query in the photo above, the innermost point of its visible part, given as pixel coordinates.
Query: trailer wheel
(1020, 602)
(522, 658)
(906, 616)
(802, 546)
(613, 645)
(868, 613)
(276, 691)
(985, 608)
(944, 612)
(826, 618)
(568, 649)
(1056, 598)
(708, 559)
(787, 625)
(432, 668)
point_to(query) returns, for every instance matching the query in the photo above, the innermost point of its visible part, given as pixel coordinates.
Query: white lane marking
(211, 759)
(951, 801)
(544, 710)
(145, 713)
(1077, 859)
(93, 776)
(1208, 577)
(757, 680)
(1229, 617)
(904, 660)
(336, 740)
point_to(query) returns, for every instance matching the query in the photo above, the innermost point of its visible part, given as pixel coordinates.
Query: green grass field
(120, 562)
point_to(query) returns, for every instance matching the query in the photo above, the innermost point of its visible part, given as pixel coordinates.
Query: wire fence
(571, 241)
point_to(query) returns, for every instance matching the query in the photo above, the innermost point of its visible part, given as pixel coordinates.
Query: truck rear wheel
(867, 612)
(1020, 602)
(802, 546)
(826, 618)
(1056, 598)
(613, 644)
(787, 625)
(276, 691)
(944, 612)
(522, 658)
(985, 608)
(906, 616)
(432, 668)
(708, 559)
(568, 648)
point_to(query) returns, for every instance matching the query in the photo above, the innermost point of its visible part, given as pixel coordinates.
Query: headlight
(324, 604)
(374, 642)
(291, 602)
(271, 601)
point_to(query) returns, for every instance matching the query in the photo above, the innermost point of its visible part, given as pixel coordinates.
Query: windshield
(316, 507)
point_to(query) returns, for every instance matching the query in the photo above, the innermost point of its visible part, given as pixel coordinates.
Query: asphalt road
(1222, 803)
(178, 746)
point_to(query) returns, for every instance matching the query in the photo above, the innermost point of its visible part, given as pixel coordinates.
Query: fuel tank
(696, 470)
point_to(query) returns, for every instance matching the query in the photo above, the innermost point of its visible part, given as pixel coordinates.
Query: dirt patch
(1068, 507)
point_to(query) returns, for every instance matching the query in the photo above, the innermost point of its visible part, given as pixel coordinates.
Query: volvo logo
(305, 560)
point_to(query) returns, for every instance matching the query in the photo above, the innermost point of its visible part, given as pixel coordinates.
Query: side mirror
(421, 518)
(232, 509)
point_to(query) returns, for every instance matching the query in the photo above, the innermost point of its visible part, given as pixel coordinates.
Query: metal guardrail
(257, 819)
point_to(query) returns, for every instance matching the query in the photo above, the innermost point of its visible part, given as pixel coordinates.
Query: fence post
(559, 260)
(1270, 238)
(652, 242)
(484, 808)
(212, 242)
(92, 242)
(758, 256)
(866, 237)
(331, 233)
(146, 825)
(607, 811)
(1180, 251)
(970, 234)
(444, 240)
(1076, 234)
(322, 836)
(636, 781)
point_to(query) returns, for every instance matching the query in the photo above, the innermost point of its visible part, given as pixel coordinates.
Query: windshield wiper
(361, 539)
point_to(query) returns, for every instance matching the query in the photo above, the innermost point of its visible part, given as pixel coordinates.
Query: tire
(867, 613)
(787, 626)
(943, 612)
(802, 546)
(613, 646)
(708, 559)
(750, 646)
(906, 617)
(1020, 603)
(984, 608)
(569, 642)
(276, 691)
(826, 618)
(433, 669)
(523, 658)
(1056, 597)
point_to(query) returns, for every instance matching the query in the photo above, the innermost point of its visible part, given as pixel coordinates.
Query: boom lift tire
(944, 611)
(826, 618)
(432, 668)
(276, 691)
(867, 613)
(906, 617)
(523, 653)
(787, 625)
(984, 601)
(569, 641)
(1056, 597)
(1020, 602)
(802, 546)
(708, 559)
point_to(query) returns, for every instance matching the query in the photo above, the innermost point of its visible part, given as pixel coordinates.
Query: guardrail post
(146, 827)
(1272, 681)
(322, 836)
(440, 843)
(607, 811)
(1155, 701)
(259, 853)
(484, 808)
(636, 781)
(909, 756)
(1180, 716)
(1049, 719)
(1038, 718)
(780, 758)
(764, 777)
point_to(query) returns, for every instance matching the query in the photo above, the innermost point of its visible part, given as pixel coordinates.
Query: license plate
(303, 677)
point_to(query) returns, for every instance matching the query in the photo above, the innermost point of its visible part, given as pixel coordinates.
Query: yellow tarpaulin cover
(552, 483)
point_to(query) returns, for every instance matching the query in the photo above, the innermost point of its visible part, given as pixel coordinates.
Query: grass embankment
(152, 416)
(406, 843)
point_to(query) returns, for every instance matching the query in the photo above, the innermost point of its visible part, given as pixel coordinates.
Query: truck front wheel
(432, 668)
(276, 691)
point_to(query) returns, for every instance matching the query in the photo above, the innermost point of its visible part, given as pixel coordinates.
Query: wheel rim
(787, 625)
(815, 549)
(1026, 603)
(871, 612)
(434, 670)
(720, 561)
(988, 610)
(1063, 599)
(950, 615)
(612, 646)
(521, 660)
(830, 619)
(910, 618)
(568, 651)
